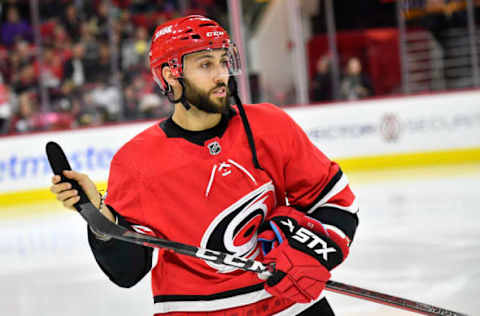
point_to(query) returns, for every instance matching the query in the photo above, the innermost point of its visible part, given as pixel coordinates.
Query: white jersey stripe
(211, 305)
(335, 229)
(352, 208)
(338, 187)
(231, 302)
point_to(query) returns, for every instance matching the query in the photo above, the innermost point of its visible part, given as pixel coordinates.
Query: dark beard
(202, 100)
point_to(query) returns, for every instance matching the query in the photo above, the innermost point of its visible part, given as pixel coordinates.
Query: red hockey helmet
(179, 37)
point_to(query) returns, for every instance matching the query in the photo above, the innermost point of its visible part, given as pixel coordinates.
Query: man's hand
(303, 252)
(68, 196)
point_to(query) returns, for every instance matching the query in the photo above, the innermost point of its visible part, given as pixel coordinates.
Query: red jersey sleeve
(316, 185)
(121, 193)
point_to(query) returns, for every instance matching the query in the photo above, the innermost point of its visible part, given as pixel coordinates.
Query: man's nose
(221, 74)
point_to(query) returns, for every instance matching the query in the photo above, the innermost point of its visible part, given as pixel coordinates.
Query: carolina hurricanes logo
(234, 230)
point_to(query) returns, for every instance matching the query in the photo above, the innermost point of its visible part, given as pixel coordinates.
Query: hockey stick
(58, 162)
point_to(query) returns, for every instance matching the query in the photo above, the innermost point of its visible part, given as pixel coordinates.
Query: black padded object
(59, 162)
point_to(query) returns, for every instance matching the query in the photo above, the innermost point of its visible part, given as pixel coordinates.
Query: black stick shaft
(390, 300)
(101, 224)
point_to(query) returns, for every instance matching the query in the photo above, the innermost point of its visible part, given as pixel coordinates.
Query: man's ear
(168, 76)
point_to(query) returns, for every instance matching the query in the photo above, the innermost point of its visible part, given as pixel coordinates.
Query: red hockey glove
(303, 253)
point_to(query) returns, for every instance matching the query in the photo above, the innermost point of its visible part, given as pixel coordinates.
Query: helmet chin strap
(232, 86)
(182, 98)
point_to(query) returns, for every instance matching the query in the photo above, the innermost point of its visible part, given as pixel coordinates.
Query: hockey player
(244, 180)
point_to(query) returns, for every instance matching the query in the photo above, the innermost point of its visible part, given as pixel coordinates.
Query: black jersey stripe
(216, 296)
(343, 220)
(172, 130)
(324, 192)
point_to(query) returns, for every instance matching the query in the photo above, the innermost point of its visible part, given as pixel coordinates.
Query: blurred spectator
(131, 110)
(24, 118)
(321, 86)
(5, 106)
(76, 65)
(4, 53)
(14, 28)
(107, 101)
(12, 68)
(24, 52)
(51, 70)
(102, 69)
(74, 68)
(90, 113)
(141, 96)
(20, 56)
(355, 83)
(61, 40)
(101, 20)
(152, 106)
(124, 25)
(25, 80)
(134, 51)
(71, 20)
(92, 47)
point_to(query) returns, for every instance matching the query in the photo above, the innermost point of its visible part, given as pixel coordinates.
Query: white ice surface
(418, 238)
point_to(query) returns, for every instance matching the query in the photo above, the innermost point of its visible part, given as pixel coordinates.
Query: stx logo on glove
(310, 239)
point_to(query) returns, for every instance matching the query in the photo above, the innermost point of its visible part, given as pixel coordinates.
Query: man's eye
(206, 65)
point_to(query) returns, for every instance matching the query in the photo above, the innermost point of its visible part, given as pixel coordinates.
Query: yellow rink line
(421, 165)
(34, 196)
(362, 169)
(395, 161)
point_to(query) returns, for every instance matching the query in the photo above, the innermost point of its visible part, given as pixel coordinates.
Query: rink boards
(376, 133)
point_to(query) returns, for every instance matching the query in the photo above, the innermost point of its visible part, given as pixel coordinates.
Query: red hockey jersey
(211, 195)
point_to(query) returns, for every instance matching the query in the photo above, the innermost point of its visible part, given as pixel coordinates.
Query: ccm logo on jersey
(310, 239)
(223, 258)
